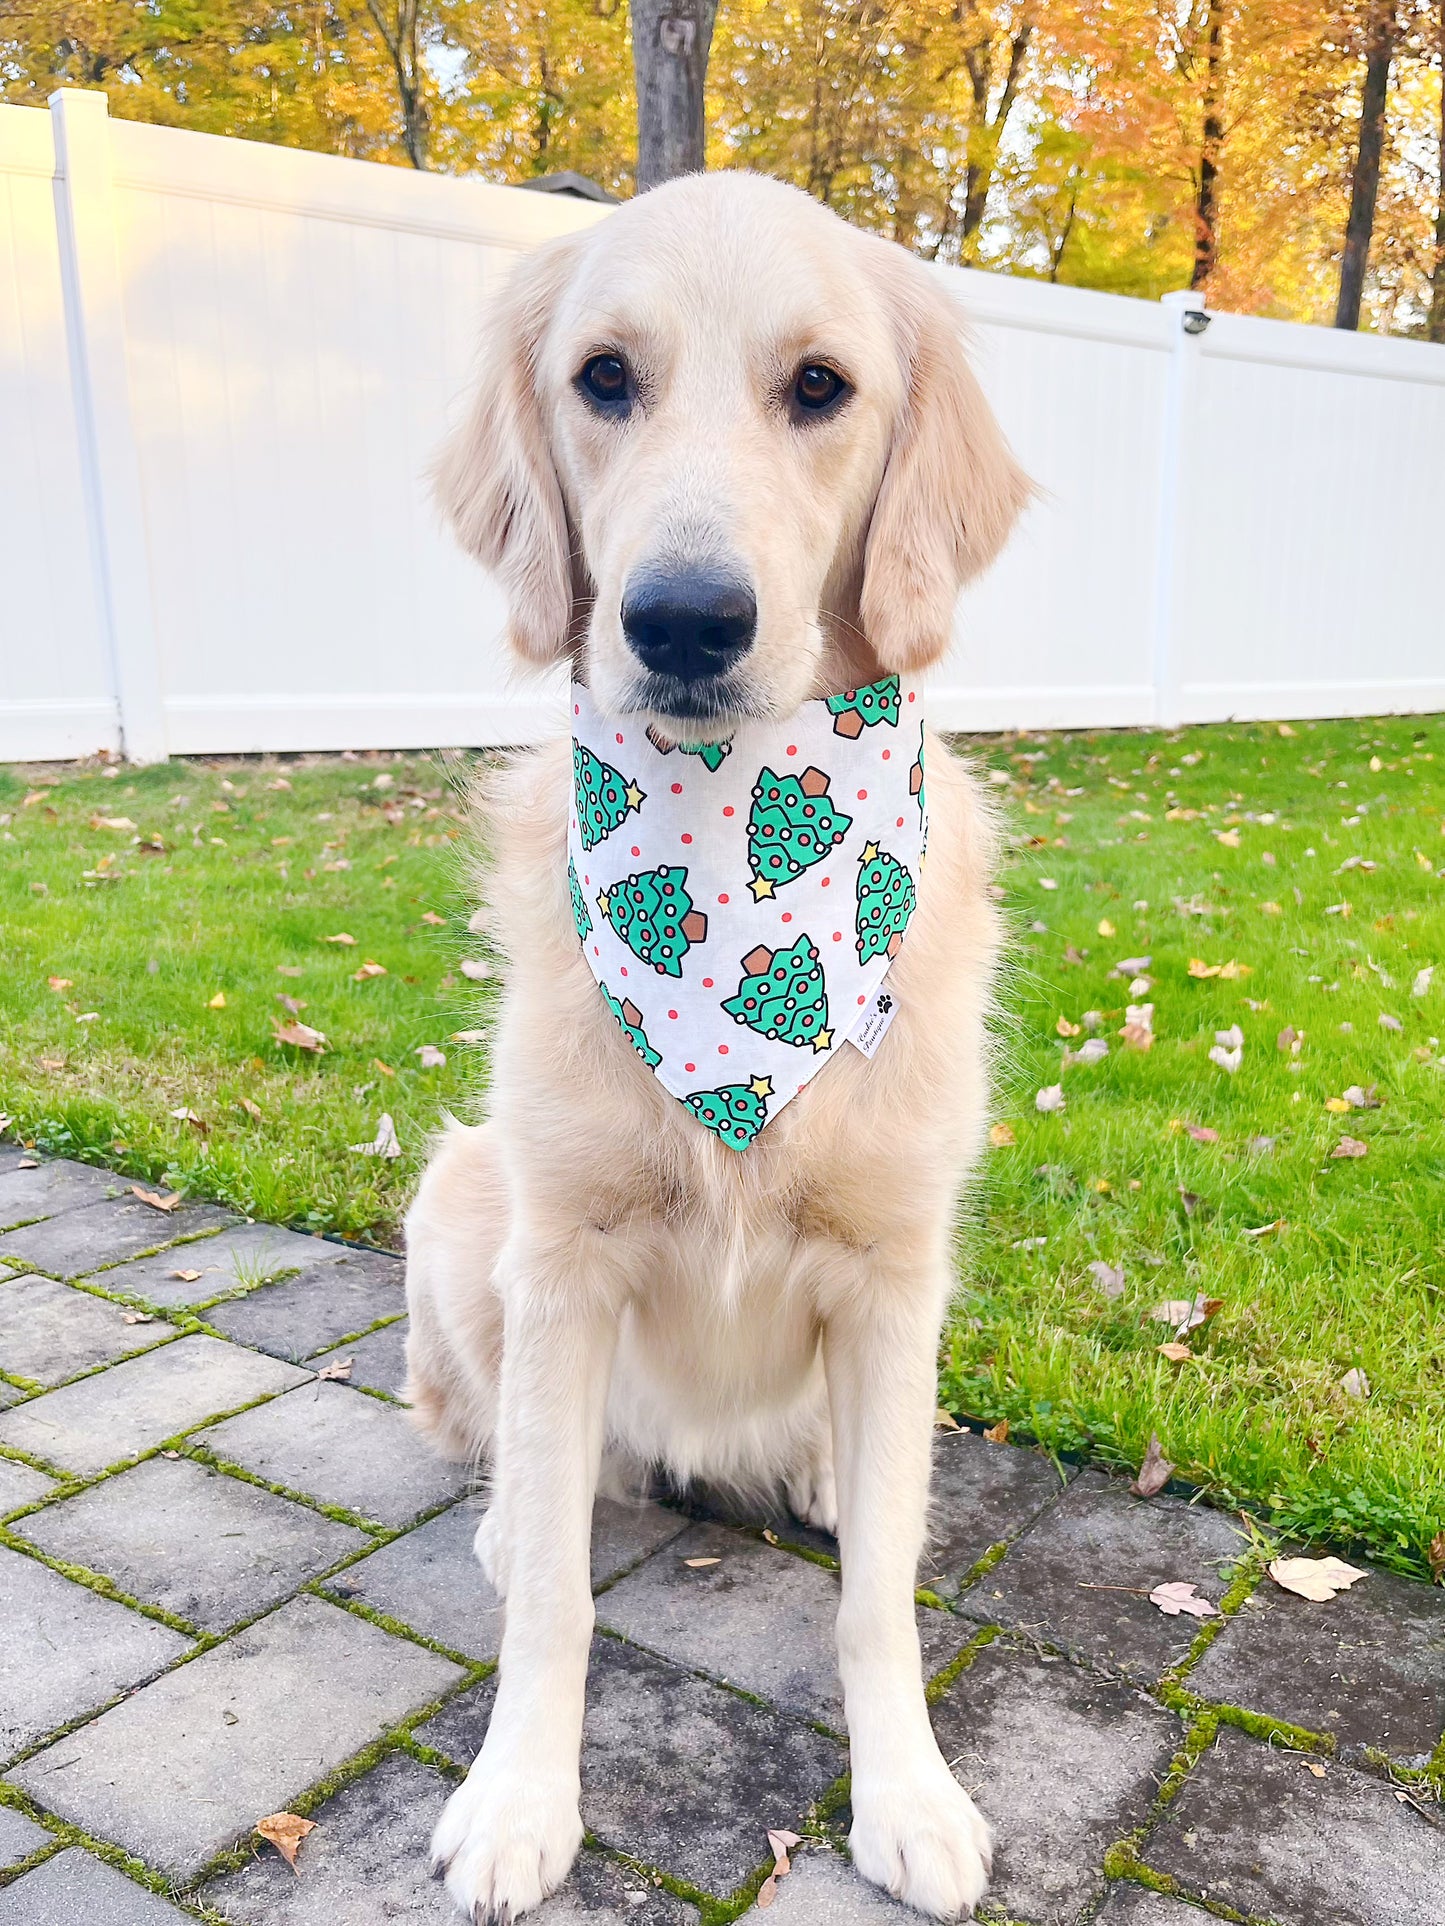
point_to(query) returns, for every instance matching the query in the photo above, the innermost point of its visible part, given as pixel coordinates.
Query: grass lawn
(151, 921)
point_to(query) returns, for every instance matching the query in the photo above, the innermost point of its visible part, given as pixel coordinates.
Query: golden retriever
(721, 377)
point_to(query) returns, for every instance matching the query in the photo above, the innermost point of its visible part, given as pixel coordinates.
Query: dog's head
(727, 453)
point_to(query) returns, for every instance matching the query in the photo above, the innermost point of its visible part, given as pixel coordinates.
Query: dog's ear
(495, 478)
(951, 490)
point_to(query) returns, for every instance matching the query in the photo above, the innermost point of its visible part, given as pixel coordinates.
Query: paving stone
(237, 1259)
(1369, 1669)
(368, 1861)
(134, 1406)
(21, 1485)
(378, 1361)
(1099, 1534)
(1254, 1829)
(212, 1549)
(675, 1772)
(50, 1188)
(824, 1890)
(1061, 1762)
(66, 1649)
(72, 1889)
(83, 1240)
(941, 1637)
(49, 1332)
(625, 1531)
(242, 1730)
(19, 1837)
(1138, 1906)
(982, 1494)
(313, 1310)
(430, 1579)
(728, 1618)
(340, 1447)
(9, 1394)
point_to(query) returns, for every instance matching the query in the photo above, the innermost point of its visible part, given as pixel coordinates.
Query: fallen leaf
(1108, 1277)
(430, 916)
(1201, 1133)
(1350, 1147)
(368, 970)
(58, 983)
(340, 1370)
(1227, 1059)
(218, 1001)
(1266, 1230)
(998, 1433)
(1435, 1557)
(1314, 1768)
(1067, 1029)
(301, 1036)
(384, 1144)
(782, 1844)
(1339, 1105)
(1314, 1578)
(1051, 1097)
(429, 1057)
(1001, 1136)
(1176, 1353)
(295, 1004)
(475, 969)
(1154, 1473)
(1229, 838)
(1231, 1039)
(111, 822)
(341, 936)
(697, 1564)
(1355, 1384)
(1199, 968)
(1287, 1038)
(137, 1317)
(1423, 979)
(480, 1036)
(1179, 1596)
(1106, 928)
(1388, 1022)
(285, 1831)
(251, 1108)
(945, 1421)
(1362, 1099)
(157, 1201)
(289, 969)
(1261, 1146)
(185, 1277)
(1186, 1314)
(1093, 1050)
(185, 1115)
(1190, 1200)
(1132, 966)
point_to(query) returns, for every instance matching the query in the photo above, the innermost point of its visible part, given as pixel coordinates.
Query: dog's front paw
(922, 1839)
(506, 1838)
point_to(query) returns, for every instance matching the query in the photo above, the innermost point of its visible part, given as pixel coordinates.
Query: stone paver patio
(230, 1585)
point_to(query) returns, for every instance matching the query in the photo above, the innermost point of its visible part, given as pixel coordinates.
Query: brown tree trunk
(399, 30)
(1206, 201)
(1435, 327)
(670, 43)
(986, 131)
(1365, 186)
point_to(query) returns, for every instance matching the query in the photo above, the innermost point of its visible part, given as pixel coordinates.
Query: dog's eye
(818, 388)
(604, 379)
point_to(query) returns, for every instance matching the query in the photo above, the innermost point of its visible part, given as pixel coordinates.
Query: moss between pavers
(97, 1582)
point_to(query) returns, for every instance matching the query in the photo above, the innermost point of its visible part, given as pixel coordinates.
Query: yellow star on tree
(761, 1087)
(602, 903)
(635, 797)
(760, 887)
(869, 854)
(823, 1041)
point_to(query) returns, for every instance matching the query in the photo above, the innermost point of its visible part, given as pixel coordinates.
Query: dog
(724, 404)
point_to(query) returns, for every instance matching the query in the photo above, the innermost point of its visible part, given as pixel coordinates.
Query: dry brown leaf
(1435, 1557)
(340, 1370)
(1067, 1029)
(157, 1200)
(1186, 1314)
(1108, 1277)
(137, 1317)
(430, 916)
(251, 1108)
(342, 936)
(1176, 1353)
(997, 1433)
(285, 1831)
(368, 970)
(1179, 1596)
(185, 1277)
(1350, 1147)
(300, 1036)
(945, 1421)
(1199, 968)
(1001, 1136)
(1201, 1133)
(1355, 1383)
(700, 1564)
(1314, 1578)
(1051, 1097)
(58, 983)
(1154, 1473)
(1267, 1230)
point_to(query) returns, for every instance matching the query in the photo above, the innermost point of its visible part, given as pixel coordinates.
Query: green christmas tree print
(712, 755)
(736, 1113)
(859, 709)
(604, 798)
(915, 780)
(653, 914)
(783, 995)
(579, 906)
(791, 826)
(886, 900)
(630, 1017)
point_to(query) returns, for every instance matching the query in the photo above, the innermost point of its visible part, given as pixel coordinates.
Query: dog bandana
(740, 902)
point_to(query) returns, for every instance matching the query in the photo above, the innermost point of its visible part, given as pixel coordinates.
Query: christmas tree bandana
(740, 902)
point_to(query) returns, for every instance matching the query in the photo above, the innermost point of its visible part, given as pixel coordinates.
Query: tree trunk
(399, 32)
(670, 42)
(986, 131)
(1206, 203)
(1435, 327)
(1365, 186)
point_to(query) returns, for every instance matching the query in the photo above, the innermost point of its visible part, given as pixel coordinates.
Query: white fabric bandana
(740, 903)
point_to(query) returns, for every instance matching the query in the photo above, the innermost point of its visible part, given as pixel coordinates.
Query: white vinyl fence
(223, 367)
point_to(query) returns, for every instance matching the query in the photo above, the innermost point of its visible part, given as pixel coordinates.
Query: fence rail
(223, 367)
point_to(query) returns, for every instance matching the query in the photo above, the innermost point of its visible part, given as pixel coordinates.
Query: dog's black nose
(691, 626)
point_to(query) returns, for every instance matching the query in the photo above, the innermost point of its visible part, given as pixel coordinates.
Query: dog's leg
(509, 1834)
(915, 1830)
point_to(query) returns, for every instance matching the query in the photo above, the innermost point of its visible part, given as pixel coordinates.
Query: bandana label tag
(881, 1011)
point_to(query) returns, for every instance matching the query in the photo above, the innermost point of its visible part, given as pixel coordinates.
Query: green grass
(1127, 826)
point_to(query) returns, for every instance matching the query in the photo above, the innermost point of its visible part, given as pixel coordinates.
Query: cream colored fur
(590, 1272)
